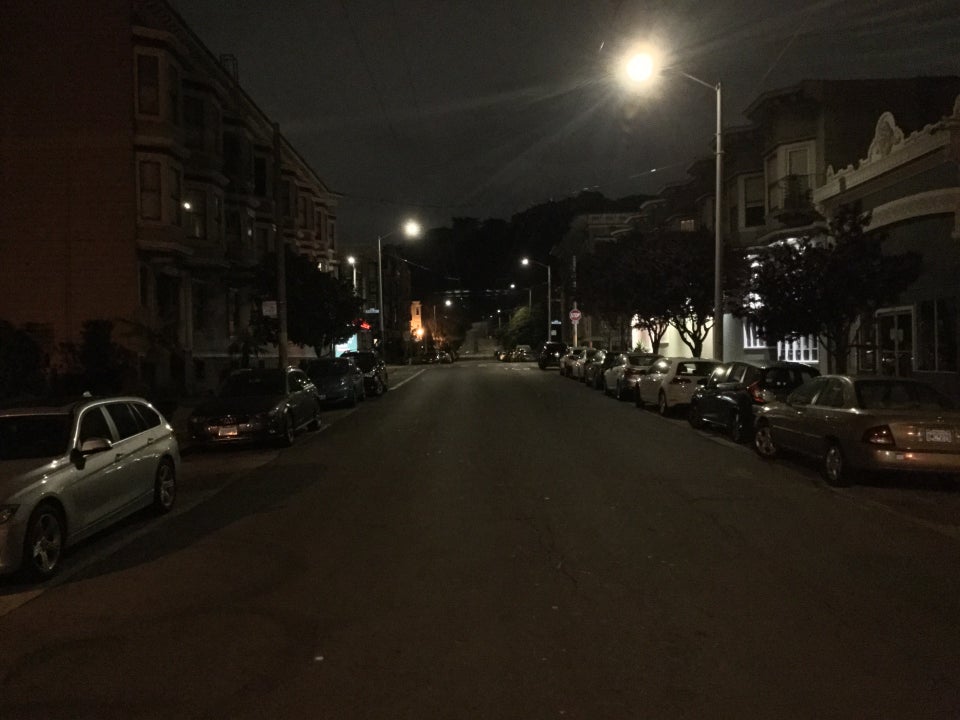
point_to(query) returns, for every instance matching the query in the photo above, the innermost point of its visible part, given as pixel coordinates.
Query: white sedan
(671, 382)
(70, 470)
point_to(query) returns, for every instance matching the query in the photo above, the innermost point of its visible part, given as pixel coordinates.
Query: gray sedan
(70, 470)
(856, 424)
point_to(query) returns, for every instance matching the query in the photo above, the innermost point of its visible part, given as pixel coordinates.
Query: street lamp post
(640, 68)
(411, 228)
(527, 261)
(353, 264)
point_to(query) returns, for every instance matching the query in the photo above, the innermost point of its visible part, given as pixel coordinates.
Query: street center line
(405, 381)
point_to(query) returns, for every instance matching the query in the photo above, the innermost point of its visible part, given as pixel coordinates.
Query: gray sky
(443, 108)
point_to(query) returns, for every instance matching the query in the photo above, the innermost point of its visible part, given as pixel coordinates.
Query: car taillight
(880, 435)
(680, 381)
(759, 395)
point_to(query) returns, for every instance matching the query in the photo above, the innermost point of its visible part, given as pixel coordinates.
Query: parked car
(594, 368)
(572, 356)
(550, 354)
(854, 424)
(266, 404)
(69, 470)
(620, 380)
(670, 382)
(522, 353)
(729, 397)
(577, 370)
(374, 370)
(338, 380)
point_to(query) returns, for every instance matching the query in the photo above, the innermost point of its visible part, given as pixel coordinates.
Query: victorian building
(142, 185)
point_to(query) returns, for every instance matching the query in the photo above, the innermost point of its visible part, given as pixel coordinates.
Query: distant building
(137, 186)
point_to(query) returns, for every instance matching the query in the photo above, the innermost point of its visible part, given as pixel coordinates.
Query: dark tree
(823, 285)
(321, 309)
(22, 362)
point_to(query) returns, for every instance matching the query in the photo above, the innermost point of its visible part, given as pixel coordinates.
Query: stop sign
(574, 315)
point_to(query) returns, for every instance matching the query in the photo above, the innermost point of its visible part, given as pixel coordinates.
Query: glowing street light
(638, 68)
(527, 261)
(411, 229)
(353, 264)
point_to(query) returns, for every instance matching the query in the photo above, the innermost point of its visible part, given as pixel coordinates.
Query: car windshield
(250, 384)
(641, 360)
(886, 395)
(34, 436)
(329, 368)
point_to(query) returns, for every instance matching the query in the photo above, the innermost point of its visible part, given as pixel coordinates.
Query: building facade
(143, 186)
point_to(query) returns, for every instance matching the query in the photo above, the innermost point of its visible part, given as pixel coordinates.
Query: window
(937, 335)
(149, 177)
(804, 394)
(832, 395)
(260, 176)
(144, 286)
(805, 349)
(174, 78)
(126, 420)
(94, 425)
(175, 199)
(753, 207)
(148, 415)
(148, 84)
(196, 211)
(688, 225)
(193, 121)
(751, 337)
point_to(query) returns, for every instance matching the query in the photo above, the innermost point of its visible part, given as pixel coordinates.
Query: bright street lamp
(639, 68)
(353, 264)
(527, 261)
(411, 228)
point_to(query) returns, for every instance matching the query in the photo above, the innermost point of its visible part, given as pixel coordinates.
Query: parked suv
(730, 395)
(550, 354)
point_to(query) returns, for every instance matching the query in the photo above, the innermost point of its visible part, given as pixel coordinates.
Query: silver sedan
(68, 471)
(854, 424)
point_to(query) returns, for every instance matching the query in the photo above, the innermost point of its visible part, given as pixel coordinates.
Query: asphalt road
(491, 541)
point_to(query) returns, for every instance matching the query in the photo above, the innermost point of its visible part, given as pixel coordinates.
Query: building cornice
(945, 201)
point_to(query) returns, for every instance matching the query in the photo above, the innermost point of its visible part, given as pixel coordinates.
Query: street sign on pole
(575, 316)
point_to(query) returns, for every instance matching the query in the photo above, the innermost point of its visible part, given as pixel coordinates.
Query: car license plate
(943, 436)
(228, 431)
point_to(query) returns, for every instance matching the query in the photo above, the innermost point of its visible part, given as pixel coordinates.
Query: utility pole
(281, 250)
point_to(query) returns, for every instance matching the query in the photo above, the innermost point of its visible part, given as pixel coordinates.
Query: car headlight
(7, 512)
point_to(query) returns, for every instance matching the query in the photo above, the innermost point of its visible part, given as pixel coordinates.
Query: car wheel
(381, 388)
(618, 393)
(763, 441)
(352, 400)
(606, 388)
(735, 427)
(384, 383)
(662, 406)
(694, 417)
(289, 431)
(835, 470)
(315, 421)
(165, 487)
(638, 398)
(43, 543)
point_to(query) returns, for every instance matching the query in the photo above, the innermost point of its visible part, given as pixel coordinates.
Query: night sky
(483, 108)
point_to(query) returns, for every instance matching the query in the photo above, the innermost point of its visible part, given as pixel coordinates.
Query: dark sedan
(339, 381)
(734, 391)
(374, 370)
(258, 405)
